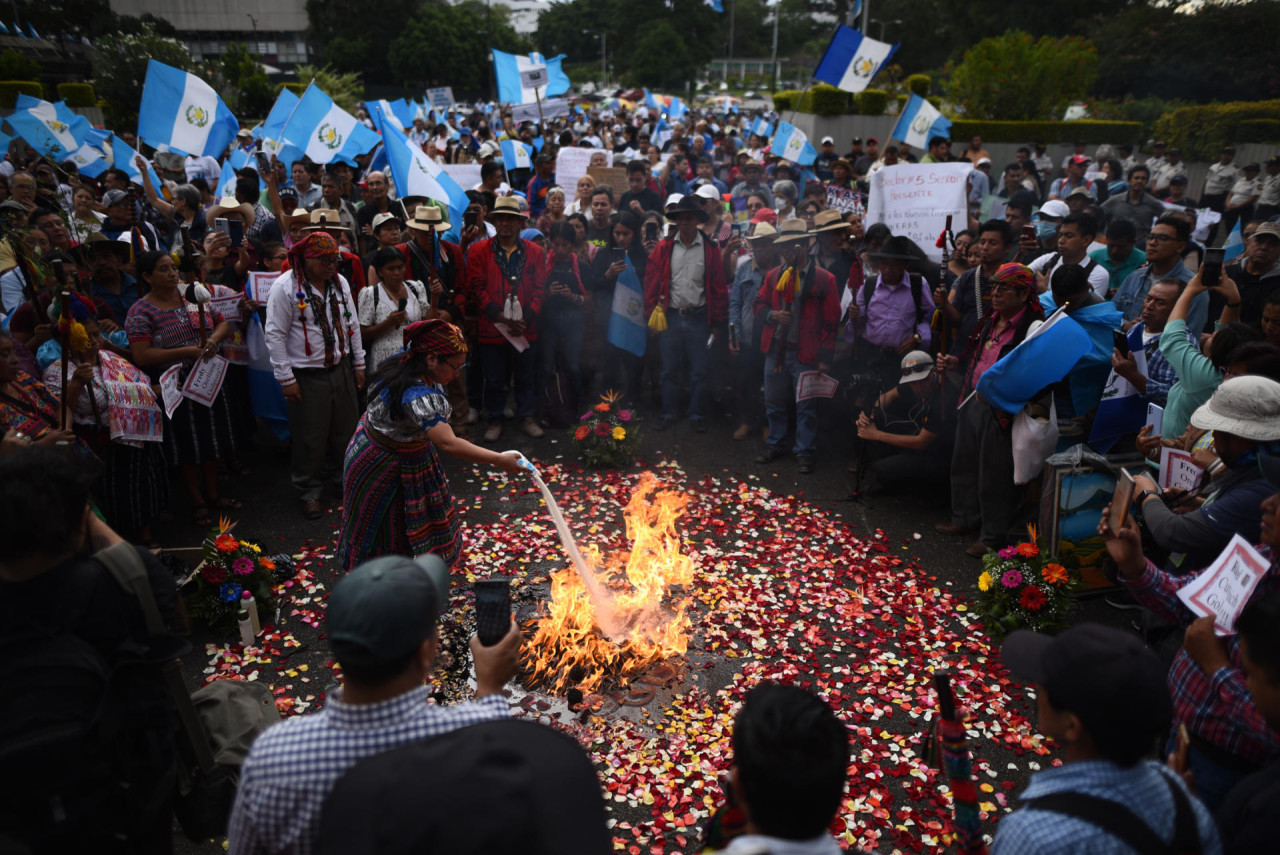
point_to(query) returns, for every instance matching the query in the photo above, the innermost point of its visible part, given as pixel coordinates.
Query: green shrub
(1201, 131)
(1086, 130)
(919, 84)
(825, 100)
(11, 89)
(785, 99)
(295, 88)
(1260, 130)
(871, 102)
(78, 94)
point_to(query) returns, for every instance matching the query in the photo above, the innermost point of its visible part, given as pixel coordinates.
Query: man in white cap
(715, 227)
(912, 420)
(826, 157)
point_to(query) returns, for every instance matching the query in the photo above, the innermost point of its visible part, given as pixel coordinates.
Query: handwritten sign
(169, 390)
(814, 384)
(1223, 588)
(614, 176)
(915, 199)
(1179, 471)
(572, 164)
(441, 98)
(205, 380)
(228, 307)
(258, 287)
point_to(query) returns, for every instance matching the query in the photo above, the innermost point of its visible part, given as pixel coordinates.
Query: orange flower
(602, 408)
(582, 432)
(1028, 550)
(266, 564)
(226, 543)
(1054, 574)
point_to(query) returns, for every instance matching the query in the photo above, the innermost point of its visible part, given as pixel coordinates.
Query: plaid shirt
(293, 766)
(1216, 707)
(1160, 374)
(1141, 788)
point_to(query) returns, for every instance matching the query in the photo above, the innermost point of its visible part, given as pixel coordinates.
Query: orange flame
(652, 621)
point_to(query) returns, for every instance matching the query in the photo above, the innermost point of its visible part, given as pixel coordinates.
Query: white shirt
(375, 304)
(688, 274)
(1221, 177)
(288, 337)
(1270, 190)
(1160, 178)
(203, 167)
(1243, 189)
(1099, 278)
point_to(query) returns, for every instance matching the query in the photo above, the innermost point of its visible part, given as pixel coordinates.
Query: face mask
(1046, 230)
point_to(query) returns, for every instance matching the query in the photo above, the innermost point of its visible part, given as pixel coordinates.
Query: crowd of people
(757, 275)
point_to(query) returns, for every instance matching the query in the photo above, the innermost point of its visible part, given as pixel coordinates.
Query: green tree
(240, 80)
(459, 38)
(15, 66)
(346, 89)
(354, 39)
(1017, 76)
(120, 68)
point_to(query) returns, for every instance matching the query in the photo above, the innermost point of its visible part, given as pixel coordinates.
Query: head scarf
(1020, 276)
(314, 245)
(434, 336)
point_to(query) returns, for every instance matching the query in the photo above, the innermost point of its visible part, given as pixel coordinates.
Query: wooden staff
(944, 328)
(64, 330)
(780, 341)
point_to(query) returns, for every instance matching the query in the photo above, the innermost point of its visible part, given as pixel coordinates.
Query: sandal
(200, 516)
(225, 504)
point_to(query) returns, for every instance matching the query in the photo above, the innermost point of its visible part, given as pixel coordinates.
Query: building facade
(276, 31)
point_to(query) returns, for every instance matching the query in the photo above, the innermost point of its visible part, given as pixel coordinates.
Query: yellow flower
(619, 433)
(985, 581)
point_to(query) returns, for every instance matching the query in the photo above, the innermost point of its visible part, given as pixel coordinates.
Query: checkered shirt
(293, 765)
(1216, 707)
(1141, 788)
(1160, 374)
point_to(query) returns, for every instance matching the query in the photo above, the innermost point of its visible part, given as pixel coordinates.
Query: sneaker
(742, 432)
(473, 416)
(1121, 600)
(492, 432)
(530, 427)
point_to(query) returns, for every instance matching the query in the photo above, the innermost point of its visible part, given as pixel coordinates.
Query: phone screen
(469, 218)
(236, 231)
(1029, 232)
(1121, 342)
(1211, 271)
(651, 230)
(264, 165)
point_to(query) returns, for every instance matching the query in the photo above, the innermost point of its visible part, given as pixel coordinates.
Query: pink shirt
(989, 348)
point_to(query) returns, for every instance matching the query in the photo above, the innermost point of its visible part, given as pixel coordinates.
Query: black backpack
(917, 286)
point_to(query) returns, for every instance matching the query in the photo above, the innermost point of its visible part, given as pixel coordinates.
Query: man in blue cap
(381, 623)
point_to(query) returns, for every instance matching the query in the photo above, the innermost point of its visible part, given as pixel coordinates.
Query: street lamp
(604, 62)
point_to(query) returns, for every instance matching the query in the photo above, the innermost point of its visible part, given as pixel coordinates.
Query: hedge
(11, 89)
(78, 94)
(785, 99)
(871, 102)
(1086, 130)
(1203, 130)
(919, 84)
(1260, 130)
(825, 100)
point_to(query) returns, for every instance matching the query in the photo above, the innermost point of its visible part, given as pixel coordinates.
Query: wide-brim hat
(895, 248)
(226, 205)
(1247, 407)
(792, 231)
(506, 206)
(325, 219)
(428, 218)
(829, 220)
(97, 240)
(763, 232)
(298, 215)
(687, 205)
(840, 161)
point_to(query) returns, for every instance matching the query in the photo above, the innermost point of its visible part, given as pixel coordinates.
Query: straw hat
(229, 205)
(829, 220)
(325, 219)
(506, 206)
(792, 231)
(764, 233)
(427, 218)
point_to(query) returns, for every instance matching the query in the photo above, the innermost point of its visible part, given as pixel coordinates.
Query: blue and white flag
(273, 125)
(226, 181)
(627, 327)
(524, 79)
(416, 174)
(89, 160)
(651, 102)
(762, 128)
(676, 110)
(1122, 409)
(1234, 246)
(661, 133)
(791, 144)
(325, 132)
(183, 112)
(50, 129)
(716, 5)
(919, 121)
(516, 155)
(18, 30)
(123, 157)
(852, 60)
(1046, 356)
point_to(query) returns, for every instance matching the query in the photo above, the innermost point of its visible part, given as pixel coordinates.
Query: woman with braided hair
(395, 496)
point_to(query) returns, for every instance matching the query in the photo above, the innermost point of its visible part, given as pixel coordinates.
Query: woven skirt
(395, 501)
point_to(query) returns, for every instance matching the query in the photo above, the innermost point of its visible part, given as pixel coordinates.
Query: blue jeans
(496, 361)
(560, 328)
(779, 393)
(685, 340)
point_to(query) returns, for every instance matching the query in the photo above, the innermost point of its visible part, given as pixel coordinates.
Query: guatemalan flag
(762, 128)
(89, 159)
(791, 144)
(524, 79)
(124, 157)
(226, 181)
(661, 133)
(919, 121)
(416, 174)
(183, 112)
(516, 155)
(676, 110)
(325, 132)
(1046, 356)
(651, 102)
(852, 60)
(1235, 243)
(627, 327)
(50, 129)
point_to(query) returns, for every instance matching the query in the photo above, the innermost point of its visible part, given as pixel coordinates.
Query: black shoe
(770, 454)
(663, 423)
(1121, 600)
(806, 465)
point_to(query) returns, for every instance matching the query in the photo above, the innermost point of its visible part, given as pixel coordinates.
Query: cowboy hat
(325, 219)
(428, 218)
(97, 240)
(829, 220)
(229, 205)
(792, 231)
(763, 232)
(895, 248)
(687, 205)
(299, 215)
(506, 206)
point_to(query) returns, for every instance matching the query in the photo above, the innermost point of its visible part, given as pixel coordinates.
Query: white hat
(705, 191)
(916, 365)
(1247, 407)
(379, 219)
(983, 160)
(1055, 208)
(487, 149)
(826, 140)
(673, 200)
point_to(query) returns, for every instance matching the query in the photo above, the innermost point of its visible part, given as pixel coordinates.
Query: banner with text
(552, 108)
(572, 164)
(914, 199)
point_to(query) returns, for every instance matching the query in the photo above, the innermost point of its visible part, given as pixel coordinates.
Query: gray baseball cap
(385, 608)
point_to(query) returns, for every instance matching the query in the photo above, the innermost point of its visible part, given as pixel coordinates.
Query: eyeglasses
(1153, 238)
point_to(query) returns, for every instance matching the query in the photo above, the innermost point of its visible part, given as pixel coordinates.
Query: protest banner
(915, 199)
(1222, 589)
(552, 108)
(205, 380)
(440, 98)
(466, 175)
(572, 164)
(844, 200)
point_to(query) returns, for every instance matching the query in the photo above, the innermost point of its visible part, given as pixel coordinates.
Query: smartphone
(493, 609)
(651, 230)
(400, 306)
(469, 218)
(221, 224)
(1029, 233)
(236, 232)
(264, 163)
(1121, 341)
(735, 230)
(1120, 501)
(619, 253)
(1211, 270)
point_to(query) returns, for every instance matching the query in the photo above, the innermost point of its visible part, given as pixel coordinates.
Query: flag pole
(796, 108)
(541, 121)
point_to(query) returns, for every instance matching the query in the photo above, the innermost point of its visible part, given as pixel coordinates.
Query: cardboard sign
(915, 199)
(572, 164)
(814, 384)
(1179, 471)
(1223, 588)
(614, 176)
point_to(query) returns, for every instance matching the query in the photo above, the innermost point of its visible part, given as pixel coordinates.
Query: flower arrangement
(605, 435)
(231, 567)
(1019, 588)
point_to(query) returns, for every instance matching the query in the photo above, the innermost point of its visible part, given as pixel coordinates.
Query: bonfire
(600, 633)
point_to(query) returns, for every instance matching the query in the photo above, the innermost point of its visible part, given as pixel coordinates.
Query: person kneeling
(910, 427)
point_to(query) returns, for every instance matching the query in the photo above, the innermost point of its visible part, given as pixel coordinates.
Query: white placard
(440, 98)
(205, 380)
(534, 78)
(572, 163)
(228, 307)
(1155, 418)
(467, 175)
(1221, 590)
(258, 286)
(1178, 471)
(815, 384)
(169, 391)
(552, 108)
(915, 199)
(519, 342)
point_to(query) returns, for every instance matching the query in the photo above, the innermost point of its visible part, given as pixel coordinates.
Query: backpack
(917, 286)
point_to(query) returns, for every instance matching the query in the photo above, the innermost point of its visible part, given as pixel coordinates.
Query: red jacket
(819, 307)
(488, 289)
(657, 281)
